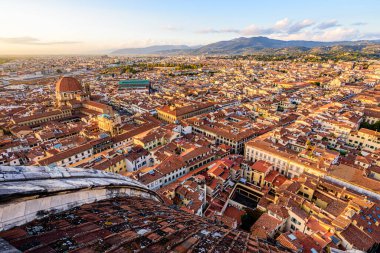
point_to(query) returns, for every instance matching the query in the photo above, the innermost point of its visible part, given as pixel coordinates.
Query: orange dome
(67, 84)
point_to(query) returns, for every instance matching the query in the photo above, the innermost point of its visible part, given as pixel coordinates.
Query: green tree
(375, 126)
(249, 218)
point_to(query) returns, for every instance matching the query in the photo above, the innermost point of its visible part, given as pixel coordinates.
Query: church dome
(68, 84)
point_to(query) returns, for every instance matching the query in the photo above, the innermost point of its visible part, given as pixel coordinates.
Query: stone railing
(28, 193)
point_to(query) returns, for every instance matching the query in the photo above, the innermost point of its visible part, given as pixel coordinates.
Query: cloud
(334, 34)
(338, 34)
(33, 41)
(328, 24)
(18, 40)
(358, 23)
(298, 26)
(281, 26)
(306, 29)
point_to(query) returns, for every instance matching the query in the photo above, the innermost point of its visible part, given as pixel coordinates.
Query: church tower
(87, 91)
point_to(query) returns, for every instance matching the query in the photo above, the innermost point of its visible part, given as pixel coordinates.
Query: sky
(94, 26)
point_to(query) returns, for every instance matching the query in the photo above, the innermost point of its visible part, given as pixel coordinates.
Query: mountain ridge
(149, 50)
(244, 45)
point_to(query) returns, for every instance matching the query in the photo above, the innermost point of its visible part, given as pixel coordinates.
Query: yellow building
(152, 139)
(256, 173)
(308, 187)
(109, 124)
(110, 162)
(115, 164)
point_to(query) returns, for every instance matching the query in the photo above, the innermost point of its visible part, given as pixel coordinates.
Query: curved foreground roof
(75, 210)
(27, 191)
(28, 180)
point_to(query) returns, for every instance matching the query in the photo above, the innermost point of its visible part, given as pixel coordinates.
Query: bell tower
(87, 91)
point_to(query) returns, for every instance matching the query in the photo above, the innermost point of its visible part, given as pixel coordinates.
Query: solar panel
(334, 239)
(292, 237)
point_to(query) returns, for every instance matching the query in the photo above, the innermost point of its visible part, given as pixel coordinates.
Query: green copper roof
(134, 82)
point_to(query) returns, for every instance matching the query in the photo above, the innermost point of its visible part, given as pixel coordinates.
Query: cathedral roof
(68, 84)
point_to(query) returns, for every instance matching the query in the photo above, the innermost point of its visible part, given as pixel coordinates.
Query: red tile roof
(261, 166)
(67, 84)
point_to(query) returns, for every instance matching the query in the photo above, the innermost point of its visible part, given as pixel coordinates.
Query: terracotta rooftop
(265, 224)
(127, 225)
(355, 177)
(179, 111)
(358, 238)
(115, 222)
(368, 219)
(261, 166)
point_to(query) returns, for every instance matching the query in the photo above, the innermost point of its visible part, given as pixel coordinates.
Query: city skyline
(42, 27)
(189, 126)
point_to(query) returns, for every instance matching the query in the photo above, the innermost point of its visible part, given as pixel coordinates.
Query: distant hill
(245, 45)
(150, 50)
